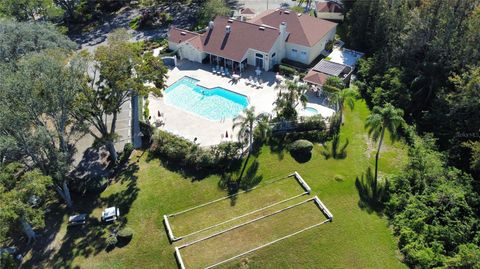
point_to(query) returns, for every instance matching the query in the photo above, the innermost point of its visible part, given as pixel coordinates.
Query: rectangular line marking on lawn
(245, 223)
(174, 238)
(241, 216)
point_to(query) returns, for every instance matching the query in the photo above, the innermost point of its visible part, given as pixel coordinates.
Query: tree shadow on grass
(373, 195)
(89, 240)
(245, 180)
(301, 157)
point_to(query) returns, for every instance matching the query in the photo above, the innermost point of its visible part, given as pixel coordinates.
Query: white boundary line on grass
(227, 197)
(169, 229)
(266, 245)
(179, 258)
(302, 182)
(245, 223)
(241, 216)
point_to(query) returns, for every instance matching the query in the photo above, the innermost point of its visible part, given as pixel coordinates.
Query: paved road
(261, 5)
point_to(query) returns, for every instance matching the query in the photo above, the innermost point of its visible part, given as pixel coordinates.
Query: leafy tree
(213, 8)
(333, 84)
(381, 119)
(123, 74)
(434, 211)
(39, 113)
(20, 38)
(20, 193)
(247, 124)
(291, 95)
(24, 10)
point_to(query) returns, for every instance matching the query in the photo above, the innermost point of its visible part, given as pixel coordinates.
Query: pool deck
(208, 132)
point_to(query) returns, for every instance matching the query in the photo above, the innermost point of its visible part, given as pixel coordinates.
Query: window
(294, 50)
(273, 55)
(303, 55)
(258, 55)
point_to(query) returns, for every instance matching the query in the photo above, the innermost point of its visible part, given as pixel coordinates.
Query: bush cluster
(184, 153)
(301, 146)
(125, 233)
(111, 241)
(286, 70)
(127, 151)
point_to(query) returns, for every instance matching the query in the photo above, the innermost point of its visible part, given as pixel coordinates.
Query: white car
(110, 214)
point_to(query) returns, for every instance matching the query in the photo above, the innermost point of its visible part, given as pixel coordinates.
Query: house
(261, 42)
(329, 10)
(340, 63)
(246, 14)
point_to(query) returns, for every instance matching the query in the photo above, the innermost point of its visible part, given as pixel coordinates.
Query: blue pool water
(214, 104)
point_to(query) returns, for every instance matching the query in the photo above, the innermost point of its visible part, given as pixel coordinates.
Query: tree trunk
(113, 152)
(28, 230)
(64, 192)
(376, 158)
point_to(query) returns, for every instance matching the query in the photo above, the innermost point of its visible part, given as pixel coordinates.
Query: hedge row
(184, 153)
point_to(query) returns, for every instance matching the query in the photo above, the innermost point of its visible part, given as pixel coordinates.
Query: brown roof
(315, 77)
(304, 30)
(177, 35)
(243, 36)
(329, 7)
(247, 11)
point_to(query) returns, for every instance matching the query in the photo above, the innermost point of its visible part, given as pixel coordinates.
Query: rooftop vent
(183, 33)
(230, 21)
(299, 14)
(287, 12)
(228, 29)
(210, 25)
(261, 28)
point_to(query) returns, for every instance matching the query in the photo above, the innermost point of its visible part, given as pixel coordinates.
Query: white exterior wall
(251, 58)
(172, 45)
(318, 48)
(330, 16)
(297, 56)
(189, 52)
(279, 50)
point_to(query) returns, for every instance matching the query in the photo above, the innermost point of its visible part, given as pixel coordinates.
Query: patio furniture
(110, 214)
(214, 70)
(222, 71)
(260, 84)
(227, 73)
(235, 77)
(258, 71)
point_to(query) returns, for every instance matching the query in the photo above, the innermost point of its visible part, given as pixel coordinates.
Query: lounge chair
(260, 84)
(227, 73)
(222, 71)
(214, 70)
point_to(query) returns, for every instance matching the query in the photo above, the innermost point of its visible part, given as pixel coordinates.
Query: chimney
(283, 28)
(228, 29)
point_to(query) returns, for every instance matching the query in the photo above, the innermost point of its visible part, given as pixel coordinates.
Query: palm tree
(383, 118)
(345, 96)
(247, 123)
(291, 95)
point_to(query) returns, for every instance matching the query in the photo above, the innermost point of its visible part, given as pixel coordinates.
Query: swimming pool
(214, 104)
(309, 111)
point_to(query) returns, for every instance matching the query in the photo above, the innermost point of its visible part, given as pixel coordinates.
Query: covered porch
(237, 67)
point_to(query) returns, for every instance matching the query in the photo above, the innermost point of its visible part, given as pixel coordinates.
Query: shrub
(185, 153)
(127, 151)
(125, 233)
(146, 110)
(111, 241)
(287, 70)
(329, 45)
(135, 22)
(328, 58)
(301, 146)
(165, 18)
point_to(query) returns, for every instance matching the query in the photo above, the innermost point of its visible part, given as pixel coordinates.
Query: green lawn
(357, 238)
